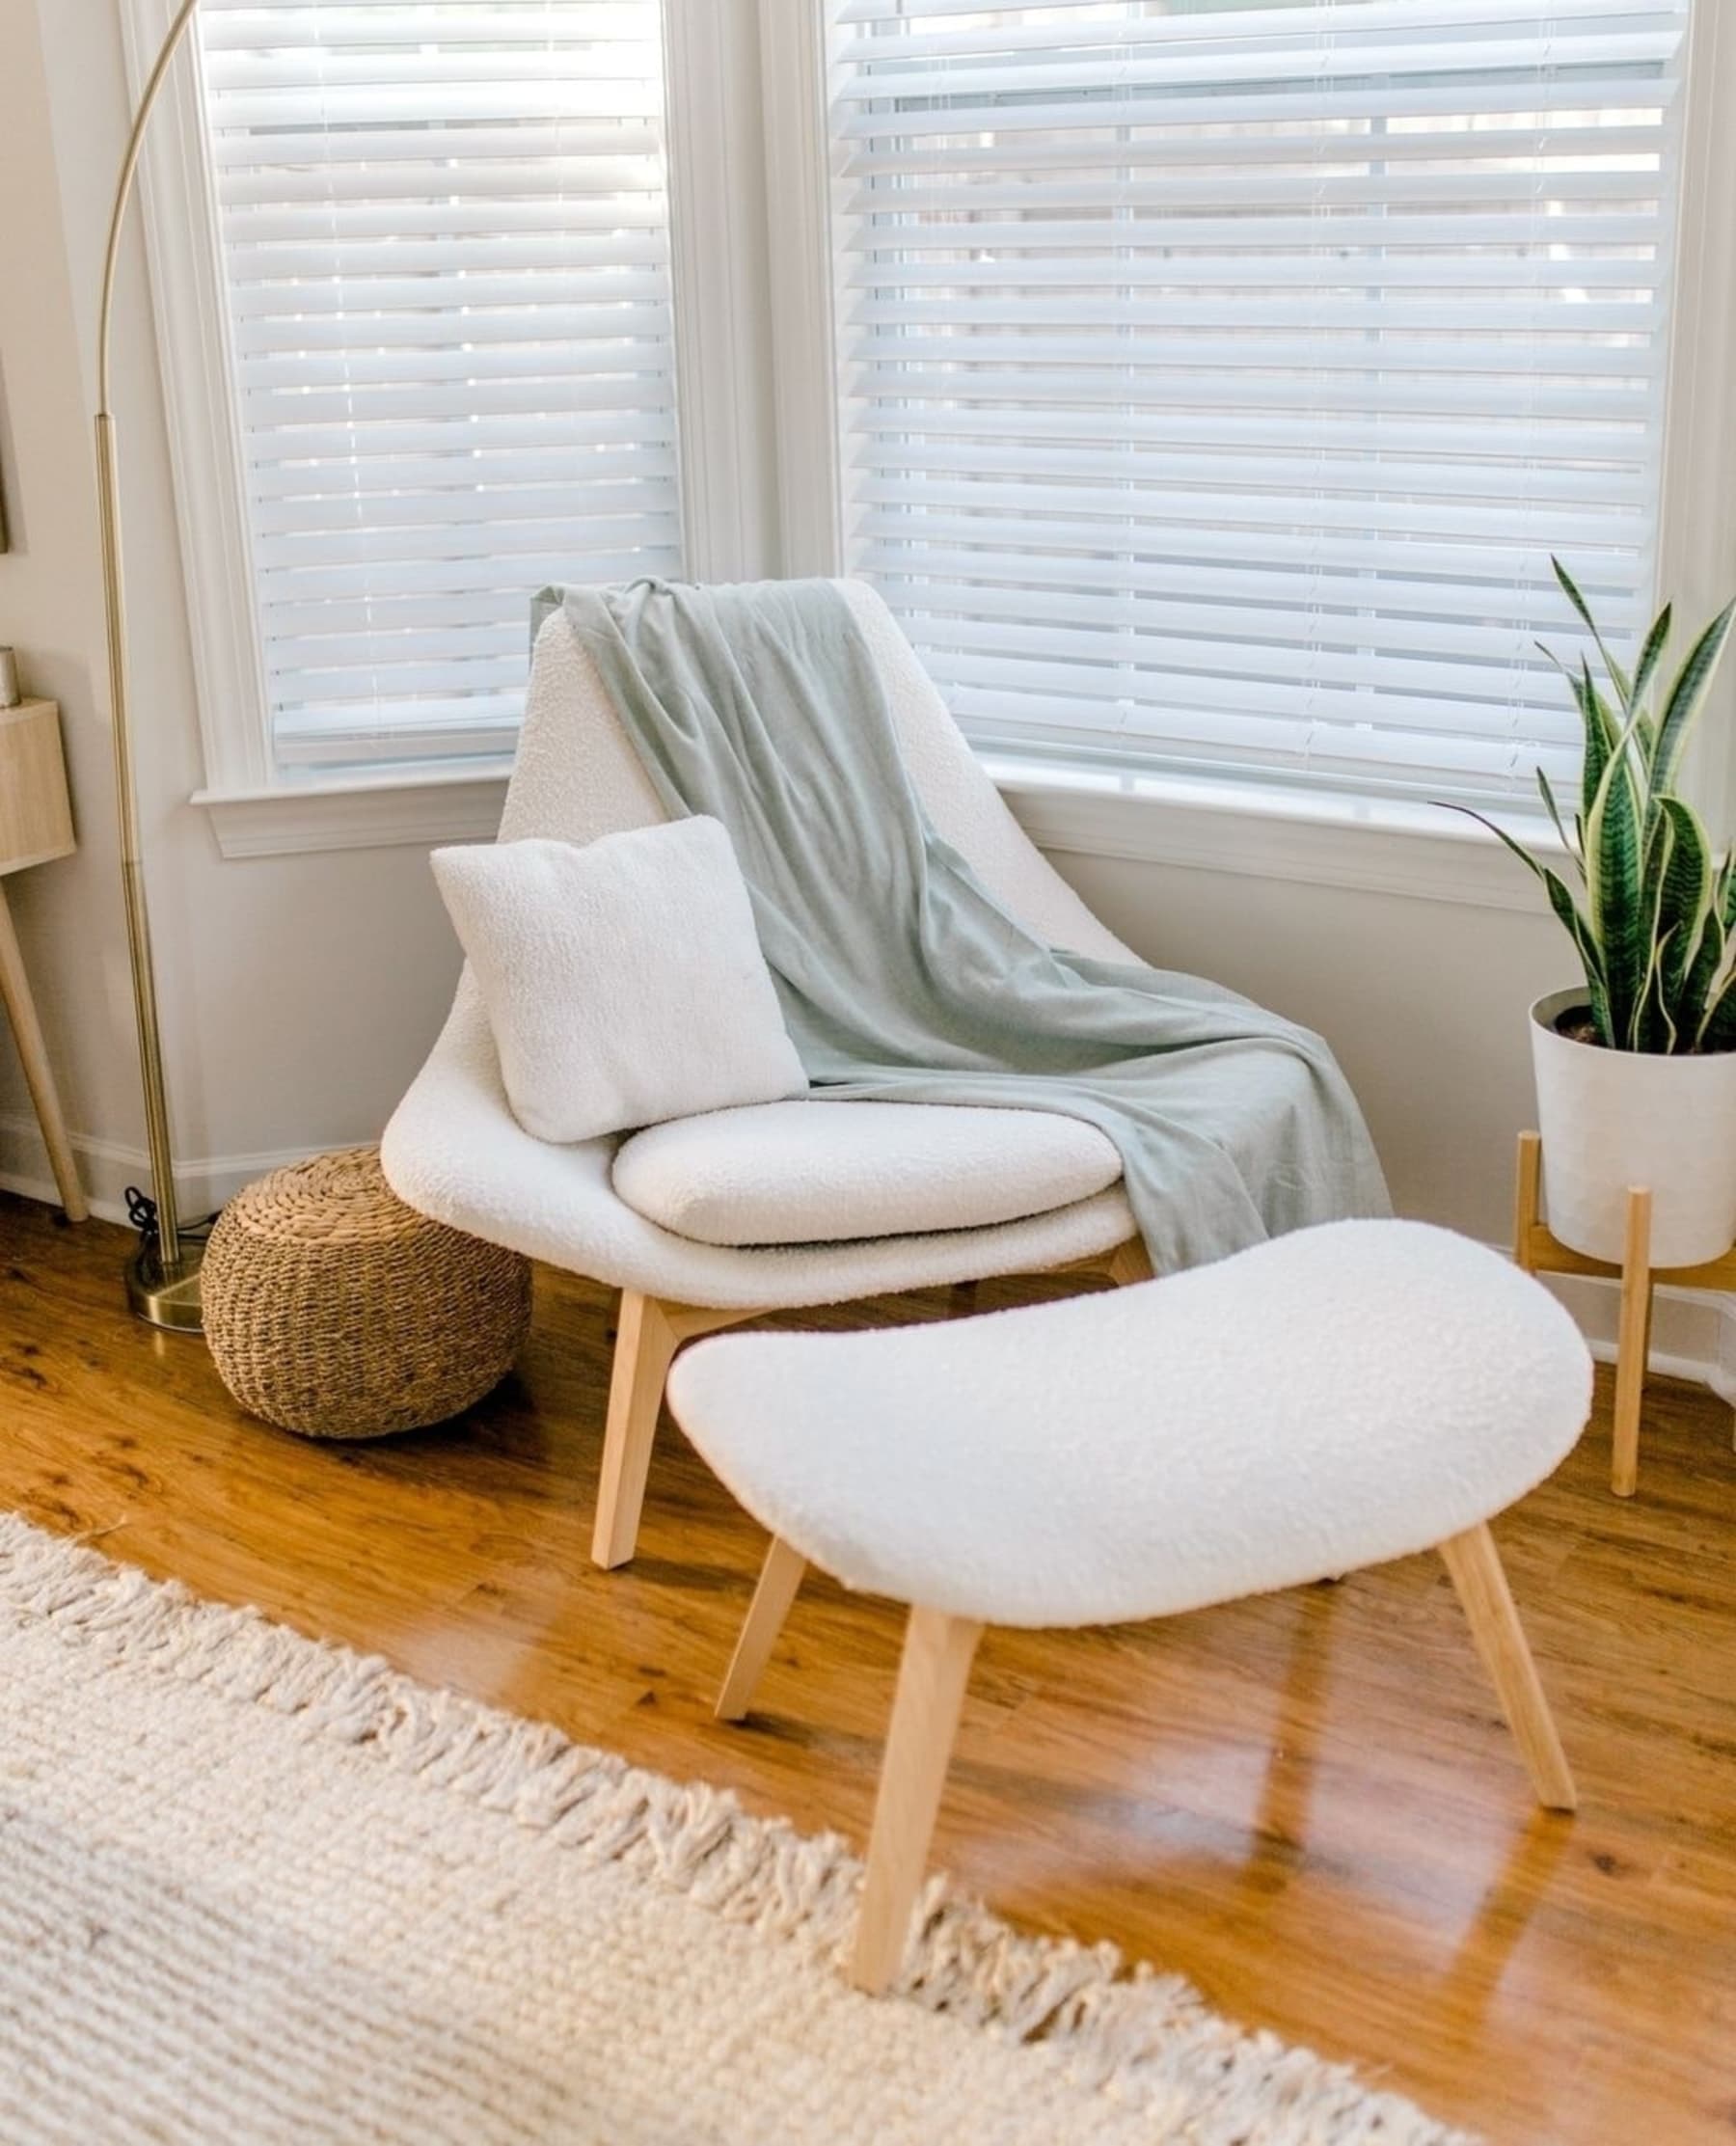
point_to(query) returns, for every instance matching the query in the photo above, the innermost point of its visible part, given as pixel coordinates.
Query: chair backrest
(576, 775)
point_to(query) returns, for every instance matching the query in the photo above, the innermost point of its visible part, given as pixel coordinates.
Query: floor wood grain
(1306, 1802)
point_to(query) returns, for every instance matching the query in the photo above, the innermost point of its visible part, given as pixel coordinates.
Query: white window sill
(1379, 844)
(1321, 838)
(375, 812)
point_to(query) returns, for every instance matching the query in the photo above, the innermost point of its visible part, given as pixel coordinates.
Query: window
(1204, 383)
(1216, 379)
(445, 250)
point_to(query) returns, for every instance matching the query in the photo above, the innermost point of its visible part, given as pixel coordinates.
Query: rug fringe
(1145, 2039)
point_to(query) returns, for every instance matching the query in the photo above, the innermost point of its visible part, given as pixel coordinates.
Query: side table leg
(15, 989)
(1633, 1344)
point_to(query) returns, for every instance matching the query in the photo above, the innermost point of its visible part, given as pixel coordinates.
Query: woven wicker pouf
(334, 1310)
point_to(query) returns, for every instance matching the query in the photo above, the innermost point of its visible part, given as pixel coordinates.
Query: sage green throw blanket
(903, 979)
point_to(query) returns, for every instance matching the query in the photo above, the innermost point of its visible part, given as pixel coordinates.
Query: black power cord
(142, 1213)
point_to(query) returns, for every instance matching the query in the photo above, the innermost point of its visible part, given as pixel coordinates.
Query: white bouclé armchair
(882, 1197)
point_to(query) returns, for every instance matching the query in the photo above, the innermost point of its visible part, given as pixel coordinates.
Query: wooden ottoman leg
(779, 1578)
(1475, 1566)
(938, 1653)
(1632, 1345)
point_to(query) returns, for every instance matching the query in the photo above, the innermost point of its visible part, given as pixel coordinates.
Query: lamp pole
(162, 1277)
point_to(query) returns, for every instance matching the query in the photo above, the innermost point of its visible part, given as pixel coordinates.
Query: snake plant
(1653, 915)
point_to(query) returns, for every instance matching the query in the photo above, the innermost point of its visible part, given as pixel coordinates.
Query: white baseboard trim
(1694, 1331)
(107, 1167)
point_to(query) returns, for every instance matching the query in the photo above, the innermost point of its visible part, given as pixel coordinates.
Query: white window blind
(1218, 378)
(445, 237)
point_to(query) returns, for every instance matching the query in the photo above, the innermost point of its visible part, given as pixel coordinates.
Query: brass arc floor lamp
(162, 1277)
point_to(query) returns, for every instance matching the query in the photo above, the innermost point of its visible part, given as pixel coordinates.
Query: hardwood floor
(1305, 1802)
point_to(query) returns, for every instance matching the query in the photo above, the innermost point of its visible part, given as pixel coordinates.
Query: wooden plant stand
(1540, 1251)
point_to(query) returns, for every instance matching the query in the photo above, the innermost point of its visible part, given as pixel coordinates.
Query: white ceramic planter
(1612, 1119)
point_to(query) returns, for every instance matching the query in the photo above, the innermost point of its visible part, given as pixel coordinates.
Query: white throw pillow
(623, 980)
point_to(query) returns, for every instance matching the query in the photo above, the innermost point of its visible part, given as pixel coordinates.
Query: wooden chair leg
(1632, 1345)
(645, 1346)
(649, 1332)
(1475, 1566)
(938, 1653)
(779, 1578)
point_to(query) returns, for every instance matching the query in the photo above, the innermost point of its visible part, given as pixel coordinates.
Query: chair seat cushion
(1328, 1401)
(814, 1172)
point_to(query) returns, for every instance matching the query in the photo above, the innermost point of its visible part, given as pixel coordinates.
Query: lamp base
(164, 1297)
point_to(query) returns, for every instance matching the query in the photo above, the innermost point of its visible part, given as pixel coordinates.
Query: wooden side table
(36, 825)
(1538, 1250)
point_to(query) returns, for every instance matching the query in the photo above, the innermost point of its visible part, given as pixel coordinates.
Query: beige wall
(300, 992)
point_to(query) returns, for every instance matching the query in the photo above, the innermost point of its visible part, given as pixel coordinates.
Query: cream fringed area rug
(255, 1890)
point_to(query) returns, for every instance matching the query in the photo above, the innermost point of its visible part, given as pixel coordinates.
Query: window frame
(718, 243)
(1696, 547)
(179, 221)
